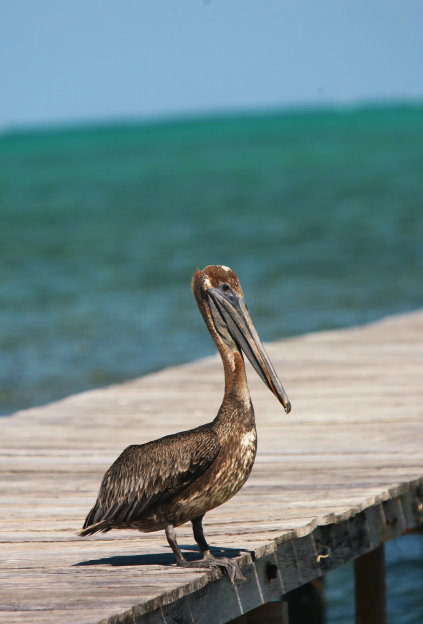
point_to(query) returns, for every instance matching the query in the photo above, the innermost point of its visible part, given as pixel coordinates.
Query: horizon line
(195, 115)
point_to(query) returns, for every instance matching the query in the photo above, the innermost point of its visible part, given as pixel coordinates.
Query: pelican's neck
(236, 387)
(235, 377)
(236, 413)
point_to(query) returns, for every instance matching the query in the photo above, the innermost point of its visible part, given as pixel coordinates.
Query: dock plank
(332, 480)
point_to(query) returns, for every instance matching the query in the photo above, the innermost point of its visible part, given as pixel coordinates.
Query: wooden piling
(269, 613)
(370, 595)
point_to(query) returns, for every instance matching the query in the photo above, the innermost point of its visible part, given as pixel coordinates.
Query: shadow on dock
(164, 559)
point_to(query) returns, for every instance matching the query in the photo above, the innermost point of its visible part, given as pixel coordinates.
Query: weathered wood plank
(332, 481)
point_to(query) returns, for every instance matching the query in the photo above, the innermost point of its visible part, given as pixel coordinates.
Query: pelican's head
(219, 295)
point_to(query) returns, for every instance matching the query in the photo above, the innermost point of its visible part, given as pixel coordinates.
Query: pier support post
(370, 601)
(270, 612)
(306, 603)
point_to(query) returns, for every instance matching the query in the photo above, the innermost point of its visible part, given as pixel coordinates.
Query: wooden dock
(332, 481)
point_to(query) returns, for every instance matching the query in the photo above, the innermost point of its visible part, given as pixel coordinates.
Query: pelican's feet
(230, 566)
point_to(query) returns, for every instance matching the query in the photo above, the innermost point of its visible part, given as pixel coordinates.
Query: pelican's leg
(171, 538)
(231, 566)
(208, 561)
(197, 529)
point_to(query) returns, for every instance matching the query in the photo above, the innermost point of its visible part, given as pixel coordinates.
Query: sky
(86, 60)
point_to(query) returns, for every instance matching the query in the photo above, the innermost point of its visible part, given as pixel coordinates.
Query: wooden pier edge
(288, 562)
(333, 481)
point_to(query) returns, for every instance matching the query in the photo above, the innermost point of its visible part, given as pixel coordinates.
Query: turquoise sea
(319, 212)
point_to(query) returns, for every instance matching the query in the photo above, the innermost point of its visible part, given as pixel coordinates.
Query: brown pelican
(166, 482)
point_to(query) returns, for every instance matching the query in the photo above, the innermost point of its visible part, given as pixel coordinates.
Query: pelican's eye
(225, 287)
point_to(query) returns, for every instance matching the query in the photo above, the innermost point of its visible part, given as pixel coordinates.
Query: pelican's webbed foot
(229, 566)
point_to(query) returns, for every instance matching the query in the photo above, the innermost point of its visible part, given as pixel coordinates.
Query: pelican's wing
(146, 474)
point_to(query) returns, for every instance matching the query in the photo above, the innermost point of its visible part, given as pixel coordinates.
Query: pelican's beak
(229, 307)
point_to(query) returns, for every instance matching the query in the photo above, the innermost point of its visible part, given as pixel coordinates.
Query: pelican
(178, 478)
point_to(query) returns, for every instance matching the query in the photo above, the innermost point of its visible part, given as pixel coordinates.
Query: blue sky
(66, 61)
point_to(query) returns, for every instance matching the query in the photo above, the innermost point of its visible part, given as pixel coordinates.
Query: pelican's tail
(101, 527)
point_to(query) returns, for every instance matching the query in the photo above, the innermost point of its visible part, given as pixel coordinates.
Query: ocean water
(404, 585)
(319, 212)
